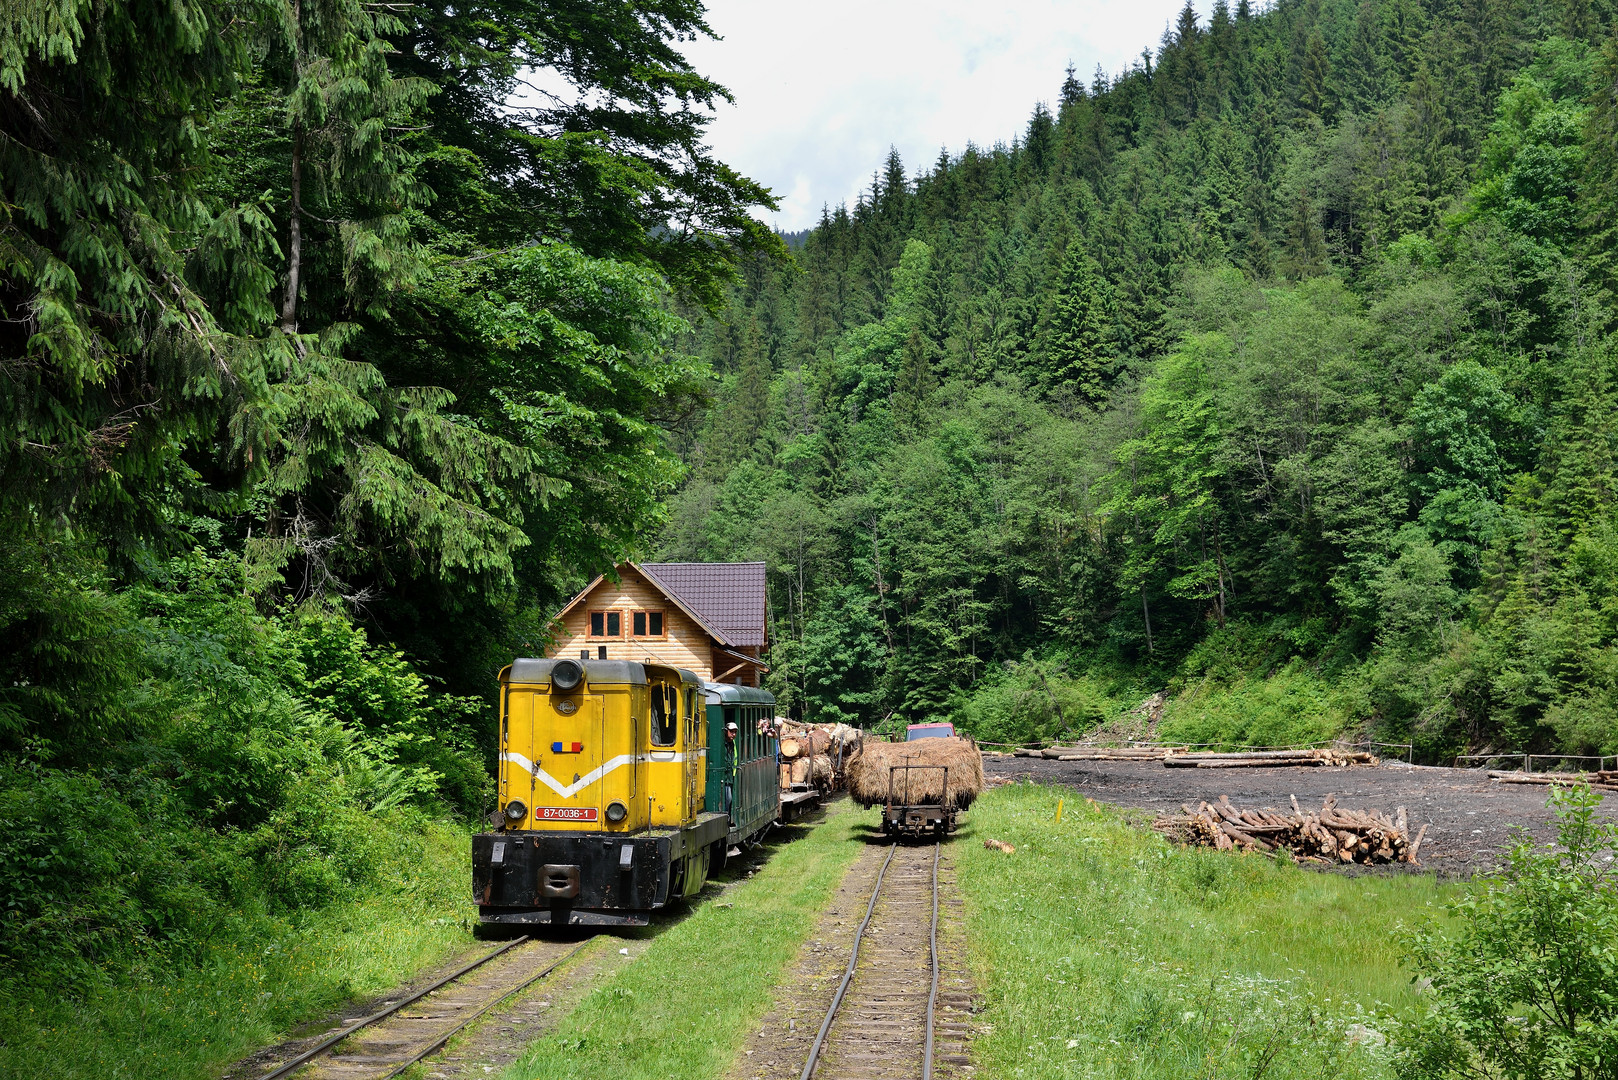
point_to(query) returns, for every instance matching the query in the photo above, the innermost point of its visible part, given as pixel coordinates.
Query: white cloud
(823, 90)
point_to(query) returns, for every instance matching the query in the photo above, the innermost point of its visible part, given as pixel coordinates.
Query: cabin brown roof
(726, 597)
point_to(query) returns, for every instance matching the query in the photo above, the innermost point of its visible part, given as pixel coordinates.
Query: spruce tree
(1305, 253)
(1078, 331)
(344, 111)
(115, 376)
(1314, 79)
(1600, 190)
(1072, 88)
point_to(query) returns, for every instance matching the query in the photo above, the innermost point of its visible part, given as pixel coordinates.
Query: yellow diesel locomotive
(608, 803)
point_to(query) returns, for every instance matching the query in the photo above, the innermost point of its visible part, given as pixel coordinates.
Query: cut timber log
(1254, 759)
(1110, 753)
(1593, 779)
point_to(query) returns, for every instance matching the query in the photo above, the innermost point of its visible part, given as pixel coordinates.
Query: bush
(90, 884)
(1295, 705)
(177, 766)
(1033, 700)
(1527, 986)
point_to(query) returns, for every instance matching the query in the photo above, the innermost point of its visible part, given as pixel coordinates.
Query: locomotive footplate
(589, 879)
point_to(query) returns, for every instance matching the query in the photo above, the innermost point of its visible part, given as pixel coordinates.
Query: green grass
(685, 1005)
(1103, 951)
(192, 1024)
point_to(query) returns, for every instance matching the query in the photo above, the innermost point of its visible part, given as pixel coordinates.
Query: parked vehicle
(929, 731)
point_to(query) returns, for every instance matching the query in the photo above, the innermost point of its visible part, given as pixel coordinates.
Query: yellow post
(1058, 811)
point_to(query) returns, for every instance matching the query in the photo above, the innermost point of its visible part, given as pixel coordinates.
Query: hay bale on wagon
(868, 771)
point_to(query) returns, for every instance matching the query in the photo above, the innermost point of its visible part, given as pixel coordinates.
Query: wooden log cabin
(708, 618)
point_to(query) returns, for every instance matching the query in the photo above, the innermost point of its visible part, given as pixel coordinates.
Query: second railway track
(405, 1030)
(882, 1019)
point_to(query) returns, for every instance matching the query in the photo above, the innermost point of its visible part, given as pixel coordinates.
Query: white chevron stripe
(567, 791)
(516, 759)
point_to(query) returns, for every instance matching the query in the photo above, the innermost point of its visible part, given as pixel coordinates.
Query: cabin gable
(637, 619)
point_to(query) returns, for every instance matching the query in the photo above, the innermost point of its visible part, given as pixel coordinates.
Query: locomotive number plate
(565, 813)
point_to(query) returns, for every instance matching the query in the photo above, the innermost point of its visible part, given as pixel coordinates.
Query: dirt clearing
(1469, 816)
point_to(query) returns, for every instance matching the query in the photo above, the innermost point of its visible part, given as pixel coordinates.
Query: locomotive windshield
(664, 720)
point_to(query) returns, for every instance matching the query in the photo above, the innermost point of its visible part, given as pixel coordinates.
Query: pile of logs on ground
(1601, 781)
(1331, 834)
(1252, 759)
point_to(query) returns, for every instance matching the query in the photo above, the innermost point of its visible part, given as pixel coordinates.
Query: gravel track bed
(880, 1027)
(1470, 818)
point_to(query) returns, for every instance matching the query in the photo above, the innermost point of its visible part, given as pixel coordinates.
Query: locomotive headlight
(566, 675)
(515, 811)
(616, 812)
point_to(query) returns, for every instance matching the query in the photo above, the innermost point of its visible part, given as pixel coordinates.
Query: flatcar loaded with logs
(621, 786)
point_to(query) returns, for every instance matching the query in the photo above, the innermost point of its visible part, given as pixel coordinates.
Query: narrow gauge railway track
(881, 1021)
(389, 1041)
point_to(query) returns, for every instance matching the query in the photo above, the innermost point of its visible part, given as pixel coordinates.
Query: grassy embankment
(685, 1005)
(1103, 951)
(283, 972)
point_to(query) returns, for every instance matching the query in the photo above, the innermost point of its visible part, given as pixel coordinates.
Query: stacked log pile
(1601, 781)
(1331, 834)
(1252, 759)
(812, 755)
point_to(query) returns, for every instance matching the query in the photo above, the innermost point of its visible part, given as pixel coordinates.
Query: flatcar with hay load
(921, 784)
(619, 791)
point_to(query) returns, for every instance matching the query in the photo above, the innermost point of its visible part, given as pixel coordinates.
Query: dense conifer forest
(1277, 369)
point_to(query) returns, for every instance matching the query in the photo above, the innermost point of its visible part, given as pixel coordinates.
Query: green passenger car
(742, 783)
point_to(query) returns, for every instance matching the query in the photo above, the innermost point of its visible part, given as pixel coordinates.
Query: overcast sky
(823, 89)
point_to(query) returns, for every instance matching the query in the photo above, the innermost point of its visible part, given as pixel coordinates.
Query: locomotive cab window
(665, 724)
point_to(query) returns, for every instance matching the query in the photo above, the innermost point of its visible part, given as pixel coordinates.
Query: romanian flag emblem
(567, 748)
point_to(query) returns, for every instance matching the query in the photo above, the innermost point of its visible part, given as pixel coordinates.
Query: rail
(443, 1037)
(853, 961)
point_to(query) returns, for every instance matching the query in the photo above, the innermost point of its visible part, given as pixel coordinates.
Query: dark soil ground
(1470, 818)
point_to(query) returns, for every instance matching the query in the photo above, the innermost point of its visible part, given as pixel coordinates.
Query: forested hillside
(1278, 369)
(326, 372)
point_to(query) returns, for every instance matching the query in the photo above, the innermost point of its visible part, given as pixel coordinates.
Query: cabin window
(646, 624)
(598, 624)
(665, 724)
(606, 624)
